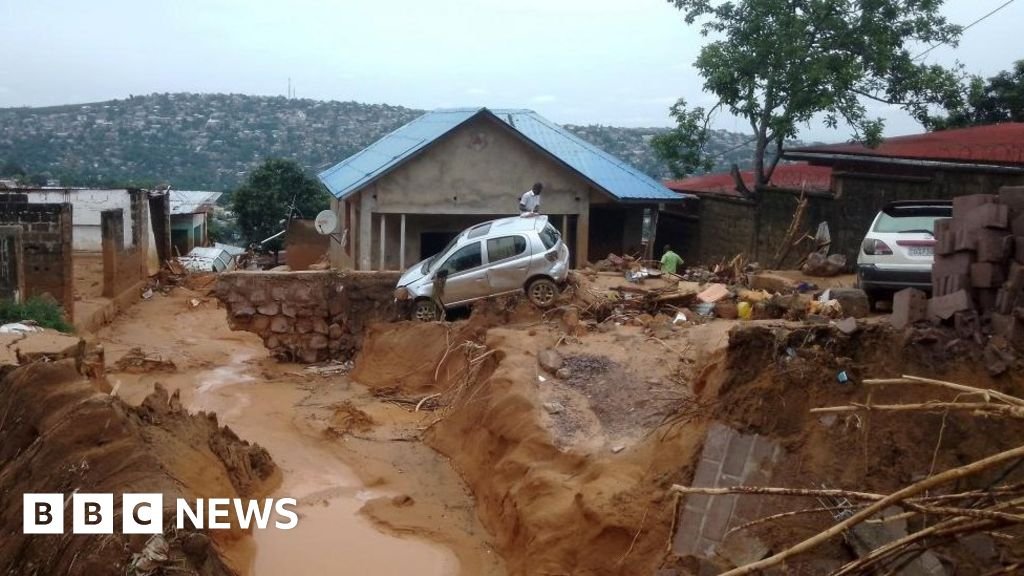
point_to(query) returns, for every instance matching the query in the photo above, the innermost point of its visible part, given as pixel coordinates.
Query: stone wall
(308, 316)
(46, 241)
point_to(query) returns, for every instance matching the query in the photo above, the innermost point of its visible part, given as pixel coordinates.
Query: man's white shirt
(529, 202)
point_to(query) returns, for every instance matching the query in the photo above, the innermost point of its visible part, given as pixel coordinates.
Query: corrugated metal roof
(997, 144)
(191, 201)
(790, 176)
(605, 171)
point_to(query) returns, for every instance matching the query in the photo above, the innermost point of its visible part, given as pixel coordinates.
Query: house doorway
(433, 242)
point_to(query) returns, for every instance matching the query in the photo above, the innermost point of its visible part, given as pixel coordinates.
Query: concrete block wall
(47, 247)
(307, 316)
(729, 459)
(12, 264)
(124, 266)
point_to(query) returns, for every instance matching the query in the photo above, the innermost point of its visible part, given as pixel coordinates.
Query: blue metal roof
(607, 172)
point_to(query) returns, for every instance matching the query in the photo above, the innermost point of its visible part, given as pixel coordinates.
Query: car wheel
(425, 311)
(542, 292)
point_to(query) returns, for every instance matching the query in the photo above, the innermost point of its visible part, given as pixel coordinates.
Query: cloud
(543, 98)
(478, 91)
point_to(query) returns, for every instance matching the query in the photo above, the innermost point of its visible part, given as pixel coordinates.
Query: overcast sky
(620, 62)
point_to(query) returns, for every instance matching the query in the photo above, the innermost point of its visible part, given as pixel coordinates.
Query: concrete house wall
(88, 205)
(475, 173)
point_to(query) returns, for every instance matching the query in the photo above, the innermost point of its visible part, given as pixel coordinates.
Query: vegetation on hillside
(212, 141)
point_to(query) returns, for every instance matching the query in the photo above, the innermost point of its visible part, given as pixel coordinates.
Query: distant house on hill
(190, 218)
(846, 185)
(405, 196)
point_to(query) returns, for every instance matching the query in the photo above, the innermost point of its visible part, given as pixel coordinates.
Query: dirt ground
(372, 496)
(468, 448)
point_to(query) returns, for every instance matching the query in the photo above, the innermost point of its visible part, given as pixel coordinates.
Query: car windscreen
(549, 236)
(430, 261)
(911, 219)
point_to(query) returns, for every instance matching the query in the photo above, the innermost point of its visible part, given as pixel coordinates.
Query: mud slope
(551, 511)
(57, 434)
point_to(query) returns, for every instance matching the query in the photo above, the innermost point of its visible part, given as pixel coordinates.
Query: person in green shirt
(670, 261)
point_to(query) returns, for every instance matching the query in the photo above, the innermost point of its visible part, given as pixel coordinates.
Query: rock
(309, 355)
(334, 331)
(726, 309)
(549, 360)
(320, 326)
(554, 407)
(771, 283)
(243, 311)
(196, 546)
(318, 342)
(269, 308)
(303, 325)
(998, 356)
(402, 501)
(853, 301)
(819, 265)
(944, 307)
(847, 325)
(259, 323)
(563, 373)
(289, 309)
(280, 324)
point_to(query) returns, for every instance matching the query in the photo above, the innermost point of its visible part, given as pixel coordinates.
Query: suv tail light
(875, 247)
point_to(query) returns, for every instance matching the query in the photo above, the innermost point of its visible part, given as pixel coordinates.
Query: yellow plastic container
(745, 310)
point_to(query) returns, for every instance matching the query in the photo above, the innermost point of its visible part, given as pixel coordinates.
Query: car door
(467, 277)
(508, 262)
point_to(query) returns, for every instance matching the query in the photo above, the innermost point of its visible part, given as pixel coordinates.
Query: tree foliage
(683, 149)
(778, 64)
(1000, 99)
(273, 192)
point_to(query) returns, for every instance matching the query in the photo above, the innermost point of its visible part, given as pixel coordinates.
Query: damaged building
(405, 196)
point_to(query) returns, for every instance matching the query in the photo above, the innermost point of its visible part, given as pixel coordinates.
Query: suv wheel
(542, 292)
(425, 311)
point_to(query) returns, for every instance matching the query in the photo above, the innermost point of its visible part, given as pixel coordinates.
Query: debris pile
(977, 277)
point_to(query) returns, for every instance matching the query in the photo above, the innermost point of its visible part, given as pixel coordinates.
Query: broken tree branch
(987, 393)
(979, 407)
(877, 506)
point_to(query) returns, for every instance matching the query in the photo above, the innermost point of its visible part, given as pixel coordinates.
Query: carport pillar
(565, 225)
(365, 231)
(383, 240)
(401, 244)
(583, 233)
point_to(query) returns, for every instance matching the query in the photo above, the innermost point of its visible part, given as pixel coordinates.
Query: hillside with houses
(210, 141)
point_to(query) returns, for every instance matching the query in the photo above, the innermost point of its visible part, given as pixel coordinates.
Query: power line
(966, 28)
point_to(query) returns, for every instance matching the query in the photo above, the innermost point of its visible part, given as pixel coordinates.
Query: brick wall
(46, 240)
(730, 226)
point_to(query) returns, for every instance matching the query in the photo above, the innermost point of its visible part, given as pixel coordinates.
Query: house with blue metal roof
(405, 196)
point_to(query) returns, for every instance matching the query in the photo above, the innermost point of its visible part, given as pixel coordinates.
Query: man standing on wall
(670, 261)
(529, 203)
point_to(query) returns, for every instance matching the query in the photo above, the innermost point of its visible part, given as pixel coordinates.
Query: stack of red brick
(978, 275)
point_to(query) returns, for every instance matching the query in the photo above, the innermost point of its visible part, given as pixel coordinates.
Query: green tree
(780, 64)
(273, 192)
(683, 149)
(1000, 99)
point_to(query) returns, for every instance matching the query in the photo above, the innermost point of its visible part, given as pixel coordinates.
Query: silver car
(493, 258)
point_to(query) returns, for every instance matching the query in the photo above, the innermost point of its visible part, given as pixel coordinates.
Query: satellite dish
(326, 222)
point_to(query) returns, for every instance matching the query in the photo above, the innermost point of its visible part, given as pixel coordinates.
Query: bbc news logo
(143, 513)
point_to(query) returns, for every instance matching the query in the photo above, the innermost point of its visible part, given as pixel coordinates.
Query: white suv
(899, 248)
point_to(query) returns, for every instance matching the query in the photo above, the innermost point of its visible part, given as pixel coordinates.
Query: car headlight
(403, 294)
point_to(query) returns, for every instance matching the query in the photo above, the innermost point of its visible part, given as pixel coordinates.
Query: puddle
(331, 537)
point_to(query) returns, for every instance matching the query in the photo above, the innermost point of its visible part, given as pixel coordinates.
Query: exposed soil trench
(293, 414)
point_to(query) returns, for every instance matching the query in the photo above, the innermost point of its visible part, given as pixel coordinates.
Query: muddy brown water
(220, 372)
